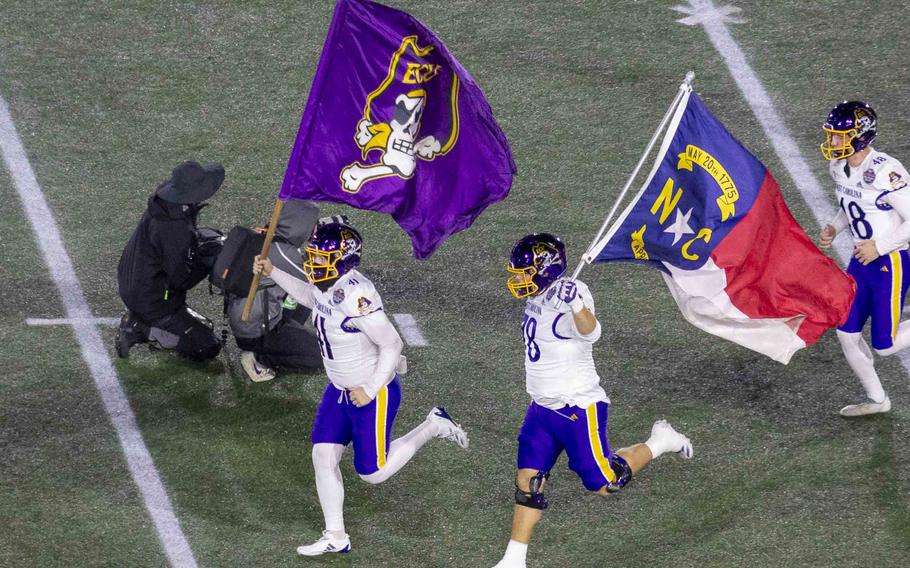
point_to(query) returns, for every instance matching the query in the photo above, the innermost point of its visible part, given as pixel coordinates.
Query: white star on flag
(680, 226)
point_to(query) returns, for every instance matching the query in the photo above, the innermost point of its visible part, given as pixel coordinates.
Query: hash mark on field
(47, 234)
(775, 128)
(410, 330)
(69, 321)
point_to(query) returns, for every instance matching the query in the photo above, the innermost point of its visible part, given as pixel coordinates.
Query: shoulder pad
(361, 297)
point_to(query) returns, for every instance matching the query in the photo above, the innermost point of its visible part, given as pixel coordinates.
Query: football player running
(361, 351)
(569, 408)
(874, 203)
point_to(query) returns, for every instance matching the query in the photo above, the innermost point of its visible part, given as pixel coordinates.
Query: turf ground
(108, 97)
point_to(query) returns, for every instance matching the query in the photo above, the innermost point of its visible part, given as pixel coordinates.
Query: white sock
(657, 447)
(330, 486)
(516, 552)
(859, 357)
(402, 450)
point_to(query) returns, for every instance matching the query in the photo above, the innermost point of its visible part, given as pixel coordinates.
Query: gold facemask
(320, 272)
(519, 287)
(841, 151)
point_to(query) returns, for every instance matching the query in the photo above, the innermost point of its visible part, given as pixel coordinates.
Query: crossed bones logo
(397, 140)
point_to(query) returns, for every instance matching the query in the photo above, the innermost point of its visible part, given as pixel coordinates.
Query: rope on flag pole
(683, 89)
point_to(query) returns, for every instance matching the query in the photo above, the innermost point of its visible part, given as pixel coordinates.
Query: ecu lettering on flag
(711, 217)
(395, 124)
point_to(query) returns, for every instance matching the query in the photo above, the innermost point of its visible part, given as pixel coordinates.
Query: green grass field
(107, 98)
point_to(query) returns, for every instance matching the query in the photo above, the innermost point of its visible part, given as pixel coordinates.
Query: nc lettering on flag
(395, 124)
(712, 218)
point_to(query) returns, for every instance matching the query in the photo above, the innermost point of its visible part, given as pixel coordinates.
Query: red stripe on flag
(775, 271)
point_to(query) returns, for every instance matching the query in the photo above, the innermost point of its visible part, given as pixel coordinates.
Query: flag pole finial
(689, 77)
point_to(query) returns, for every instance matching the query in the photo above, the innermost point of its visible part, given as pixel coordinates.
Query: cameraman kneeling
(275, 336)
(162, 261)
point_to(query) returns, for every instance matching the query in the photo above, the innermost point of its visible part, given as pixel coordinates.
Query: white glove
(568, 293)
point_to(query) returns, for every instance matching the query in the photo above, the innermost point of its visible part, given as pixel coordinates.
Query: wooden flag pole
(248, 307)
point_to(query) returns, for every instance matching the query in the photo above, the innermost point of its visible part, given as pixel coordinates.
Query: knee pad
(534, 498)
(623, 473)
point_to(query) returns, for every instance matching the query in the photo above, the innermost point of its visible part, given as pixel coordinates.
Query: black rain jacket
(157, 266)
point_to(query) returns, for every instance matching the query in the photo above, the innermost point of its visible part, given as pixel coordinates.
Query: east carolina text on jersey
(866, 193)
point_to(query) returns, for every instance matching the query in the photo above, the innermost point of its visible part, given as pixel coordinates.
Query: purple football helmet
(537, 261)
(332, 250)
(850, 128)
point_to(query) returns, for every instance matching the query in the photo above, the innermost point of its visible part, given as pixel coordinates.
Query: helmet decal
(536, 261)
(850, 127)
(332, 250)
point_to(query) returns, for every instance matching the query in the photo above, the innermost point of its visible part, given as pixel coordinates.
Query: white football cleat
(257, 372)
(864, 408)
(448, 428)
(325, 545)
(672, 440)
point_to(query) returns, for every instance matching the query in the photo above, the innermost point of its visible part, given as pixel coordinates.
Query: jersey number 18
(529, 331)
(861, 228)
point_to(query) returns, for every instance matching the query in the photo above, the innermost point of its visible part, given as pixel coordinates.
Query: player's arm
(900, 201)
(297, 288)
(381, 332)
(586, 324)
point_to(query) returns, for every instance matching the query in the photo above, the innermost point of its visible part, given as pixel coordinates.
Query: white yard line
(406, 323)
(410, 331)
(64, 321)
(94, 352)
(714, 20)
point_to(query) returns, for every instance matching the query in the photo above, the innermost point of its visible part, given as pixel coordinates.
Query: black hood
(161, 209)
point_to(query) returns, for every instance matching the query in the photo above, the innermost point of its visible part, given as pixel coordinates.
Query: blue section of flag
(705, 184)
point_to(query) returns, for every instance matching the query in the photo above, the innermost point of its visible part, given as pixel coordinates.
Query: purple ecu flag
(395, 124)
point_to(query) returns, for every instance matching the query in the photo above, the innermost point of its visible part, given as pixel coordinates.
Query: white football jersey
(559, 364)
(873, 198)
(349, 355)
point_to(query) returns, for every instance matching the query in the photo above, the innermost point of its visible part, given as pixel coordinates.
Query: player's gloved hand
(568, 293)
